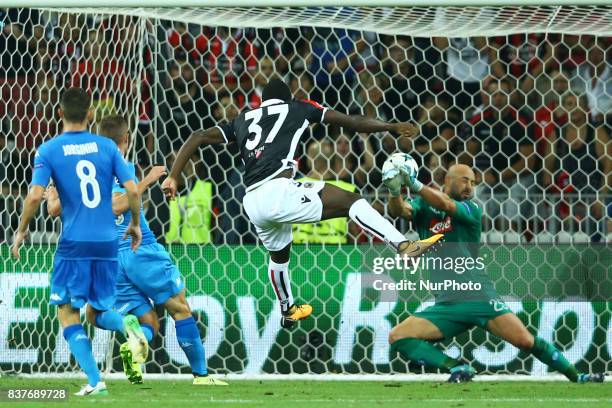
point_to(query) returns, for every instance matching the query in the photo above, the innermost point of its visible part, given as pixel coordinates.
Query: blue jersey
(124, 219)
(83, 167)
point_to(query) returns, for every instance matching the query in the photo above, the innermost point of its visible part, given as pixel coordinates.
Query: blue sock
(110, 320)
(188, 338)
(148, 331)
(80, 347)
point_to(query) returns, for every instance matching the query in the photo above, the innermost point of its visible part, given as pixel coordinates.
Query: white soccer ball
(401, 163)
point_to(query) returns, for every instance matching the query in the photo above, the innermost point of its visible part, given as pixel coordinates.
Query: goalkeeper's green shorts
(457, 317)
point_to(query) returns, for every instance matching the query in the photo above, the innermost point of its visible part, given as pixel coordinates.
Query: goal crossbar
(472, 19)
(296, 3)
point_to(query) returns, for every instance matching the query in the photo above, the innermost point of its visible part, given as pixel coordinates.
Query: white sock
(371, 221)
(279, 277)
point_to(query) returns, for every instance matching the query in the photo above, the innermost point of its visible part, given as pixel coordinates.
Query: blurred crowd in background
(531, 113)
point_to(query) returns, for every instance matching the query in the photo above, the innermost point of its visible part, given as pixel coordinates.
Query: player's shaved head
(114, 127)
(276, 89)
(460, 170)
(75, 104)
(459, 182)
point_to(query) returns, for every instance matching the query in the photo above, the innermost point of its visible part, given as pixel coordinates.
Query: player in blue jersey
(149, 273)
(83, 167)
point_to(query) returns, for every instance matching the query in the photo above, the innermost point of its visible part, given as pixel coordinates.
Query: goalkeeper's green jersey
(461, 242)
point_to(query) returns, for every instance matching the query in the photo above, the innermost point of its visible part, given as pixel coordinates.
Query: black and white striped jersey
(268, 136)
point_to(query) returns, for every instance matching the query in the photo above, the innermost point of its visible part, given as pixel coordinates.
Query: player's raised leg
(341, 203)
(188, 337)
(510, 328)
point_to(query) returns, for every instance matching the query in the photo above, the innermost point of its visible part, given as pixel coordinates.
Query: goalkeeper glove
(392, 179)
(410, 178)
(414, 185)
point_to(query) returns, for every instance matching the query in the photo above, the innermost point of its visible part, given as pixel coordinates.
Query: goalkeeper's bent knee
(424, 353)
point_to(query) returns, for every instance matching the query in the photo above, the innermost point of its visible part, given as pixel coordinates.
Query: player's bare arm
(197, 139)
(30, 207)
(134, 203)
(359, 123)
(54, 206)
(120, 200)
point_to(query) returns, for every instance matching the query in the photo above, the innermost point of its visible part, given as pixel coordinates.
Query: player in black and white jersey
(268, 138)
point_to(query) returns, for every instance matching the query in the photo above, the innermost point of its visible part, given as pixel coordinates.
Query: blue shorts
(84, 281)
(147, 274)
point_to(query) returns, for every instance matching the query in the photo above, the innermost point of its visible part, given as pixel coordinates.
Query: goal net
(523, 94)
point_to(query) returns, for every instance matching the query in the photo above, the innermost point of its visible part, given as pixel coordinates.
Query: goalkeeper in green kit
(453, 213)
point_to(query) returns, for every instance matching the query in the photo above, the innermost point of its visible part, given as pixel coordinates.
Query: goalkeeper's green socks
(549, 355)
(423, 352)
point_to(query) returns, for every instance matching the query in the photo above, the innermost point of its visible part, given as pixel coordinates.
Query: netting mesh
(529, 111)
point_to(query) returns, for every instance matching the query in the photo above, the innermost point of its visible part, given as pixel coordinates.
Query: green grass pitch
(337, 394)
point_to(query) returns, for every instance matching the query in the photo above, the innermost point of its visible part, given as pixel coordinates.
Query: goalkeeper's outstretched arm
(438, 199)
(460, 176)
(197, 139)
(458, 186)
(398, 207)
